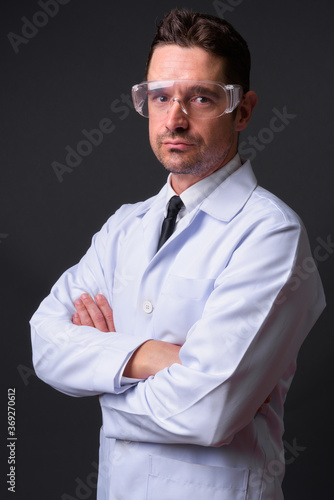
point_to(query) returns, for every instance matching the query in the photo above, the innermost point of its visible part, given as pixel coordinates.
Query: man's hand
(151, 357)
(148, 359)
(97, 314)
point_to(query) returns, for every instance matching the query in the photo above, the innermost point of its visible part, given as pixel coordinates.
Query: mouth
(178, 144)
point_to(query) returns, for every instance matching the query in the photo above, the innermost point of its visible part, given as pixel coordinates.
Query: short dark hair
(217, 36)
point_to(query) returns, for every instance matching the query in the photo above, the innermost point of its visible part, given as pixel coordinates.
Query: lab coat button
(148, 307)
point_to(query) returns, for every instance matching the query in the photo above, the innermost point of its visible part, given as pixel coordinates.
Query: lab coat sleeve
(81, 360)
(263, 305)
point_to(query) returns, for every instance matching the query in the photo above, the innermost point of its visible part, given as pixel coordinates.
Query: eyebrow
(200, 89)
(156, 91)
(197, 88)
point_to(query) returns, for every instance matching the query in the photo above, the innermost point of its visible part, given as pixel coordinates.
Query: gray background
(64, 80)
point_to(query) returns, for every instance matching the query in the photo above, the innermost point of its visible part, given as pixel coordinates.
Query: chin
(177, 164)
(181, 169)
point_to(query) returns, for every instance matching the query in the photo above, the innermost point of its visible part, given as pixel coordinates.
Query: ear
(245, 110)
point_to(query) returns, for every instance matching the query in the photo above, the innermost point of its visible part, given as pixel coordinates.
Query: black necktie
(175, 204)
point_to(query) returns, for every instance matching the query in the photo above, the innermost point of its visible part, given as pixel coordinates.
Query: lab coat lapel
(152, 218)
(223, 204)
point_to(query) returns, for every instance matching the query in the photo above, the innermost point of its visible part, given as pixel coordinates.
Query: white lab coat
(227, 286)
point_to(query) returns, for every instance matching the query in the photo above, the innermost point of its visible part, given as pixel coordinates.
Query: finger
(84, 316)
(106, 311)
(76, 319)
(95, 313)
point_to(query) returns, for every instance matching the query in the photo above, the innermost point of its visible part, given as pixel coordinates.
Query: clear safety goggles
(197, 98)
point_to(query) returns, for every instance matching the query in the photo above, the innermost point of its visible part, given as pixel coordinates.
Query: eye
(161, 98)
(201, 100)
(157, 98)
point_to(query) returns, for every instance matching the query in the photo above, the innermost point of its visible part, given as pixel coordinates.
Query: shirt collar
(223, 203)
(196, 193)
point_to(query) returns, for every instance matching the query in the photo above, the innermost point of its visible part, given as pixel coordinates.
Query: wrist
(151, 357)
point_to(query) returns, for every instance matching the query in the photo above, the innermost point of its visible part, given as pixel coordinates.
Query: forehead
(173, 62)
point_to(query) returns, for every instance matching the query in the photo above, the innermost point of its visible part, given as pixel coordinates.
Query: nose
(176, 117)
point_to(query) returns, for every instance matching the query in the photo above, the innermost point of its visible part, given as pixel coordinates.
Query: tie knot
(175, 205)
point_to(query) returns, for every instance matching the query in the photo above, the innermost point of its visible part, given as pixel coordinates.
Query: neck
(181, 182)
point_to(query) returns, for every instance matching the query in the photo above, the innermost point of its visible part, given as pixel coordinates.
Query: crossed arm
(149, 358)
(245, 339)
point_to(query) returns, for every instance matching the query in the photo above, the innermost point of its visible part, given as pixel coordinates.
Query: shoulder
(265, 204)
(269, 222)
(258, 213)
(129, 213)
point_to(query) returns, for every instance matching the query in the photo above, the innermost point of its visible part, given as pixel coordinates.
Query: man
(190, 340)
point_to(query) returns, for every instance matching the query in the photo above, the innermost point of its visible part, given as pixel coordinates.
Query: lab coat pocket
(180, 305)
(171, 479)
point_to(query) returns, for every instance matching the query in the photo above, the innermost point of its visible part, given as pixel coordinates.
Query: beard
(200, 162)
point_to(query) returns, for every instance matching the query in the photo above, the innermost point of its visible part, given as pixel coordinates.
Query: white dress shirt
(226, 287)
(196, 193)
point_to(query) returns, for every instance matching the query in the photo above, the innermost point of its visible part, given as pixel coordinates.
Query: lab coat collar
(153, 206)
(231, 195)
(222, 204)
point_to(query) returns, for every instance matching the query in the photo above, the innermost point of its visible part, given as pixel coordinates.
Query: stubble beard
(198, 164)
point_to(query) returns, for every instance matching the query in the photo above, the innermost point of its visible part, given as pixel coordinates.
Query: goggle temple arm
(234, 93)
(137, 101)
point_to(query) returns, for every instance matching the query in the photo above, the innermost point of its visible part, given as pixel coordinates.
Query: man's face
(186, 146)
